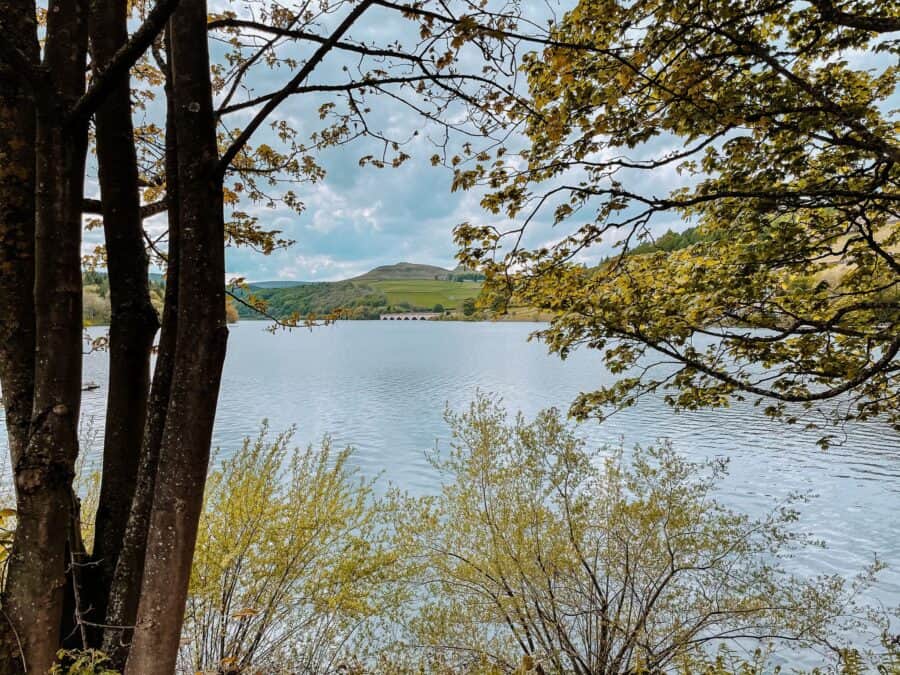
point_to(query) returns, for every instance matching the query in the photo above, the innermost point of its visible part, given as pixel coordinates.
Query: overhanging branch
(122, 61)
(288, 89)
(873, 23)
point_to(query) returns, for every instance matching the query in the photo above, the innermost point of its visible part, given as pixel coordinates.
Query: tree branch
(349, 86)
(891, 350)
(288, 89)
(412, 10)
(874, 24)
(95, 207)
(122, 61)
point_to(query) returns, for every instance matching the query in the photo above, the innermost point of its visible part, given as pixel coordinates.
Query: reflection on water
(383, 386)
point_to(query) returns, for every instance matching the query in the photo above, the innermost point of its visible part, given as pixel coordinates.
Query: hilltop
(405, 270)
(401, 271)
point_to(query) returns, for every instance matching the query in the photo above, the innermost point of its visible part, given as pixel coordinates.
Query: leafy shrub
(598, 562)
(292, 558)
(82, 662)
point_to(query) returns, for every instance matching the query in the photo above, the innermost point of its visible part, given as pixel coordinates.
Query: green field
(362, 299)
(427, 293)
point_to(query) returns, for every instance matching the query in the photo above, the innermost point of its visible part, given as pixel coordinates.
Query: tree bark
(45, 469)
(199, 353)
(17, 140)
(125, 589)
(133, 322)
(17, 185)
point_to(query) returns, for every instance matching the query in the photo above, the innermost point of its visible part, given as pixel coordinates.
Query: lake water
(383, 387)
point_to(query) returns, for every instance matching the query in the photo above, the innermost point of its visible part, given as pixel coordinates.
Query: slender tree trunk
(133, 322)
(199, 353)
(17, 184)
(44, 472)
(126, 584)
(17, 139)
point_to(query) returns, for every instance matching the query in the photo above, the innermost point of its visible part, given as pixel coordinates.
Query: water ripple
(383, 386)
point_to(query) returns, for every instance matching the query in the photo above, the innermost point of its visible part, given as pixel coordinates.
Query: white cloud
(319, 267)
(331, 210)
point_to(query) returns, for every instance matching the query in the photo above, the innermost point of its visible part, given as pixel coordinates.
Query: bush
(231, 312)
(82, 662)
(95, 307)
(596, 562)
(291, 559)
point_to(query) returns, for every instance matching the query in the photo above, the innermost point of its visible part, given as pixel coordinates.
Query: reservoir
(383, 386)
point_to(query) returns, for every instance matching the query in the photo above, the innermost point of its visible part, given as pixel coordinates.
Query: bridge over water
(410, 316)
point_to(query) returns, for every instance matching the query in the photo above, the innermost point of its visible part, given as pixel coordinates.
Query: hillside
(399, 287)
(279, 284)
(403, 287)
(405, 270)
(363, 299)
(426, 294)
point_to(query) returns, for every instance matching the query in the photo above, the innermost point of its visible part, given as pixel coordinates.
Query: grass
(427, 293)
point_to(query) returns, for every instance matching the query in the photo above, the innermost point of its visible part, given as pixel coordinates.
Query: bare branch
(95, 207)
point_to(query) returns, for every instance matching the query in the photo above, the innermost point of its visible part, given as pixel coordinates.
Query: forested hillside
(357, 299)
(388, 288)
(360, 300)
(95, 301)
(398, 288)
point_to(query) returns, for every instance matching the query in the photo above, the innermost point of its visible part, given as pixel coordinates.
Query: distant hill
(388, 288)
(400, 287)
(363, 299)
(284, 283)
(405, 270)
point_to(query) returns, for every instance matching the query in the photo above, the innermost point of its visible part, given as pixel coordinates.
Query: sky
(357, 218)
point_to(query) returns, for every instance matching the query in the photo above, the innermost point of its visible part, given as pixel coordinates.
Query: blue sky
(357, 217)
(361, 217)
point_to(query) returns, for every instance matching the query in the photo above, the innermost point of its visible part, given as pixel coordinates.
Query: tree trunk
(199, 353)
(44, 472)
(17, 139)
(17, 184)
(133, 321)
(125, 589)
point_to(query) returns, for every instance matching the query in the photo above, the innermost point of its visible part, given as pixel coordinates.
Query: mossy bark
(199, 353)
(133, 321)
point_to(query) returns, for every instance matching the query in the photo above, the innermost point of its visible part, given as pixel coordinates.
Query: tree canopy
(765, 124)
